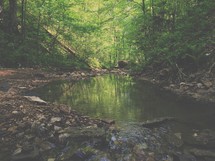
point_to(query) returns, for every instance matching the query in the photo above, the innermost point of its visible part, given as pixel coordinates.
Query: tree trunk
(1, 12)
(174, 16)
(1, 6)
(12, 17)
(143, 7)
(23, 17)
(153, 16)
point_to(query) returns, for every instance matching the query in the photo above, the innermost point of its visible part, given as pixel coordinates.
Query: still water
(123, 99)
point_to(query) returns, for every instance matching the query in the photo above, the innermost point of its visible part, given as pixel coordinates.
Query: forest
(107, 80)
(177, 34)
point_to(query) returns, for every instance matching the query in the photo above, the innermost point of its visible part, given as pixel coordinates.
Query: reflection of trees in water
(104, 95)
(55, 91)
(120, 98)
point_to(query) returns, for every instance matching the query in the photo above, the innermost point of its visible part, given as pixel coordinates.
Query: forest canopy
(99, 33)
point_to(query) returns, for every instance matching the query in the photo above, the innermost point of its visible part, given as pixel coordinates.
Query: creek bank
(199, 86)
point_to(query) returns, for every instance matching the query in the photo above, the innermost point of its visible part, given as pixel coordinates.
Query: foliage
(101, 33)
(177, 33)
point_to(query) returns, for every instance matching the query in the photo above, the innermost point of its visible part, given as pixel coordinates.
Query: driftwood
(156, 122)
(36, 100)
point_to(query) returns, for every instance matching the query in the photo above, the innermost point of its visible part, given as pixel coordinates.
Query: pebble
(15, 112)
(63, 136)
(55, 119)
(51, 159)
(17, 151)
(199, 85)
(57, 128)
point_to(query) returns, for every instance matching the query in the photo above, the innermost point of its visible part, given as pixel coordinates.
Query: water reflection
(123, 99)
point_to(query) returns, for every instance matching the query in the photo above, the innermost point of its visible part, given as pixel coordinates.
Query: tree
(1, 10)
(12, 22)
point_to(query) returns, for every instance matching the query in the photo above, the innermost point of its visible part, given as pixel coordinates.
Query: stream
(151, 124)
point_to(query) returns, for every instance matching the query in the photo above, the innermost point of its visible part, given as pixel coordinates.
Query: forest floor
(27, 121)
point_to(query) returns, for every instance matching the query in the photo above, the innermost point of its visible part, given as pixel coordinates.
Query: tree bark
(24, 2)
(12, 17)
(1, 6)
(1, 11)
(143, 7)
(153, 16)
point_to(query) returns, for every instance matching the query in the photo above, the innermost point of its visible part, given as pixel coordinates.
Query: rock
(150, 158)
(83, 74)
(39, 128)
(207, 84)
(26, 155)
(168, 158)
(55, 119)
(178, 135)
(205, 138)
(17, 151)
(66, 153)
(12, 129)
(29, 137)
(202, 138)
(202, 153)
(199, 85)
(40, 117)
(175, 139)
(21, 134)
(22, 87)
(172, 85)
(68, 122)
(63, 137)
(139, 149)
(46, 146)
(85, 152)
(43, 145)
(15, 112)
(57, 128)
(108, 121)
(182, 84)
(51, 159)
(36, 99)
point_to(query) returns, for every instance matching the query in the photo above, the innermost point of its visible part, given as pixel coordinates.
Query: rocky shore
(198, 86)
